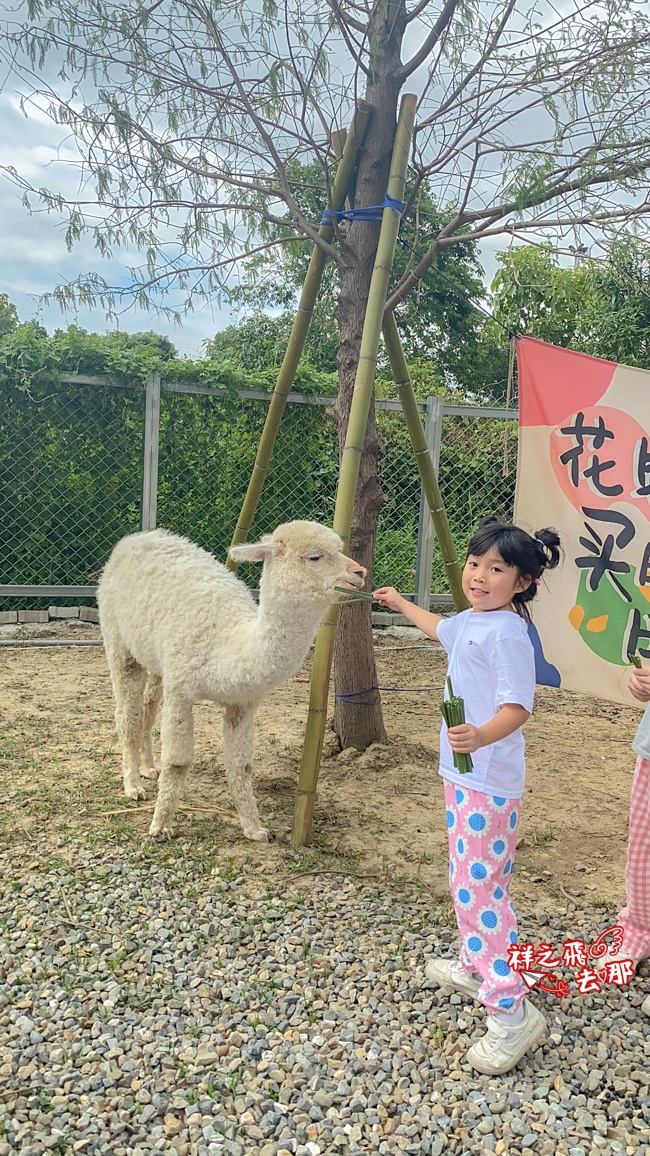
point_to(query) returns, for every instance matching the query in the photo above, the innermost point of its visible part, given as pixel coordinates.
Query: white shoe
(614, 957)
(501, 1047)
(450, 973)
(645, 1006)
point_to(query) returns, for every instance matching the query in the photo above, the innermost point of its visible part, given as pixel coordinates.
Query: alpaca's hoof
(258, 834)
(135, 791)
(150, 772)
(161, 833)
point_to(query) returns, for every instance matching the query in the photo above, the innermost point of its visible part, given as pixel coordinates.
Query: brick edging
(51, 614)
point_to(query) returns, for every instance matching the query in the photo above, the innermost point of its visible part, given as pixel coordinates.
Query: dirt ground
(380, 813)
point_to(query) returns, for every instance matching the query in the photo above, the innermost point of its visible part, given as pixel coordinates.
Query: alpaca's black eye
(314, 557)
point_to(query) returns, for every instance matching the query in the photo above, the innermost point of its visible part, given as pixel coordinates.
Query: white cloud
(35, 258)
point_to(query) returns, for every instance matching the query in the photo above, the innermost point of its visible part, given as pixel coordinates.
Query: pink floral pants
(482, 832)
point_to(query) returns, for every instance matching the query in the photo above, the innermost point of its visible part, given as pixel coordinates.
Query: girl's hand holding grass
(453, 712)
(464, 739)
(388, 596)
(639, 684)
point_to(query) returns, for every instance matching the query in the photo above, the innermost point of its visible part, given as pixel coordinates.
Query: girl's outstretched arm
(467, 738)
(423, 619)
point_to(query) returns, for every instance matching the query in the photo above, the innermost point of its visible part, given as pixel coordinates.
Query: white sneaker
(645, 1006)
(450, 973)
(501, 1047)
(614, 957)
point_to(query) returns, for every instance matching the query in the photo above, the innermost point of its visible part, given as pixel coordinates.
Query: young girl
(635, 916)
(492, 667)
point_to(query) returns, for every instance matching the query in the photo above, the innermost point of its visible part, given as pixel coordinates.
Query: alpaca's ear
(255, 551)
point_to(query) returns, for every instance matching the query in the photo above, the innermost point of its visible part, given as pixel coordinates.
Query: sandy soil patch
(378, 813)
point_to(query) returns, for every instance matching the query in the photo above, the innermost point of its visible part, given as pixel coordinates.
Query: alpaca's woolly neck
(267, 649)
(283, 634)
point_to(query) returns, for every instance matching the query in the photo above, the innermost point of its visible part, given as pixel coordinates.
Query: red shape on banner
(598, 471)
(553, 381)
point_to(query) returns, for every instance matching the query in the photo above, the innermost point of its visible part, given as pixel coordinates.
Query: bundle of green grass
(453, 712)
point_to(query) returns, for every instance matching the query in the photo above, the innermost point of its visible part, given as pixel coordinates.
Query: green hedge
(71, 460)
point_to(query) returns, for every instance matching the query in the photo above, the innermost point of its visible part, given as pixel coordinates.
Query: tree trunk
(358, 721)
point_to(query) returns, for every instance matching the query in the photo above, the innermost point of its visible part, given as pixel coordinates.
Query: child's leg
(482, 833)
(635, 916)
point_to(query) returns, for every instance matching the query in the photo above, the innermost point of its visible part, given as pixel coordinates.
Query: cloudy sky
(35, 258)
(34, 254)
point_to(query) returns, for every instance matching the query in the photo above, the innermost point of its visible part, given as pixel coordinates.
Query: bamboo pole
(423, 459)
(349, 474)
(345, 171)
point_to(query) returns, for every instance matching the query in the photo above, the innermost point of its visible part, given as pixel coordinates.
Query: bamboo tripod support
(299, 329)
(349, 474)
(360, 408)
(425, 466)
(399, 367)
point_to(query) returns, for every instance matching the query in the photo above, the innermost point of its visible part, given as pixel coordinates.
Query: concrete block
(33, 616)
(89, 614)
(64, 612)
(8, 616)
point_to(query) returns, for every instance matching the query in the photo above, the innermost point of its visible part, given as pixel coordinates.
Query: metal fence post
(426, 534)
(150, 456)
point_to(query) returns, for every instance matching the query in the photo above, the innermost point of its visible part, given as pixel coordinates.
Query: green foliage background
(71, 456)
(600, 307)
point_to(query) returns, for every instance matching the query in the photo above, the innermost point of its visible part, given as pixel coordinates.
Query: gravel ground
(149, 1005)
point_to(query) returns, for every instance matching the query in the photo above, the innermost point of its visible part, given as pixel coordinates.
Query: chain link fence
(476, 476)
(206, 454)
(70, 480)
(86, 462)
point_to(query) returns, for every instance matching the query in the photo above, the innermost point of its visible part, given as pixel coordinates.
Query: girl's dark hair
(531, 554)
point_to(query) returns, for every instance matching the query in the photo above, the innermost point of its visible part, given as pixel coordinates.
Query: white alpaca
(178, 626)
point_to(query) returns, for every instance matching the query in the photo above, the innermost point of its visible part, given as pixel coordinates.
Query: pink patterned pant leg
(635, 916)
(482, 832)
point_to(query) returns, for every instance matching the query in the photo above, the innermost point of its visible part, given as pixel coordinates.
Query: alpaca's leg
(152, 696)
(128, 679)
(238, 747)
(177, 739)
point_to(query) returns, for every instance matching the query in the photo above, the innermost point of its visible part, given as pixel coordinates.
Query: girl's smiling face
(489, 583)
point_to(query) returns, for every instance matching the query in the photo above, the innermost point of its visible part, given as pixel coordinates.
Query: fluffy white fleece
(178, 626)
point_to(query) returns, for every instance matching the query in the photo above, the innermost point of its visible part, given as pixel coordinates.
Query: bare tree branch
(480, 64)
(417, 11)
(430, 42)
(345, 20)
(191, 127)
(451, 234)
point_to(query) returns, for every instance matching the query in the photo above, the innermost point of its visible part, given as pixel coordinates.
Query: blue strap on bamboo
(370, 213)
